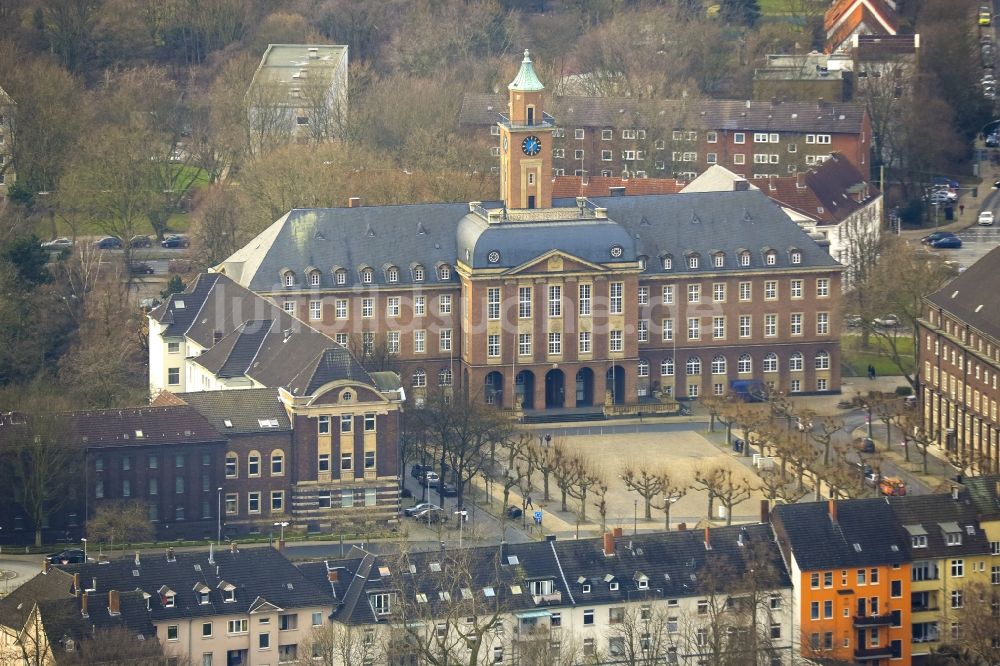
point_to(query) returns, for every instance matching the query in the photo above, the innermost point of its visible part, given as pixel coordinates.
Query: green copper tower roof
(526, 79)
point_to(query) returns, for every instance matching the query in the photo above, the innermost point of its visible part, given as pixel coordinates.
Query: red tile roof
(845, 17)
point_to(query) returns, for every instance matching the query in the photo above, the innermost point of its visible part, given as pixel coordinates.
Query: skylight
(178, 305)
(488, 592)
(435, 566)
(228, 423)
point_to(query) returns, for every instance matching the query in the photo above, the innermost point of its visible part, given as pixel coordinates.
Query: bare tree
(645, 482)
(728, 485)
(338, 644)
(674, 488)
(586, 479)
(639, 635)
(822, 432)
(566, 472)
(121, 523)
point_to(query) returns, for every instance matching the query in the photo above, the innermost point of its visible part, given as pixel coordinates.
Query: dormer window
(228, 592)
(643, 583)
(919, 541)
(718, 260)
(770, 257)
(542, 587)
(314, 279)
(367, 276)
(201, 591)
(586, 588)
(289, 279)
(796, 257)
(668, 263)
(744, 258)
(613, 586)
(444, 272)
(340, 277)
(392, 275)
(953, 538)
(643, 261)
(692, 261)
(418, 273)
(167, 597)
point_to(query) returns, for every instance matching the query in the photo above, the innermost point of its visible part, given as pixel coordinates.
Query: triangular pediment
(556, 261)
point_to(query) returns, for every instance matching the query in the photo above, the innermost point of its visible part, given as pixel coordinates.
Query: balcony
(865, 654)
(861, 621)
(548, 122)
(550, 598)
(539, 632)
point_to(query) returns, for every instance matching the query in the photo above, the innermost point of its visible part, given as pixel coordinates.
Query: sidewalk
(989, 173)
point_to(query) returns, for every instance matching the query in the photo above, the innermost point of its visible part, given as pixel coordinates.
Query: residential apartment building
(620, 136)
(298, 93)
(847, 19)
(851, 578)
(540, 303)
(7, 173)
(679, 597)
(959, 354)
(949, 552)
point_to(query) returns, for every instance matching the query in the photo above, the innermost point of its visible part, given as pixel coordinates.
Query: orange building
(851, 580)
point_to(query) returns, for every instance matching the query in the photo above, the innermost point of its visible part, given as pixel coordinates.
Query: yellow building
(949, 551)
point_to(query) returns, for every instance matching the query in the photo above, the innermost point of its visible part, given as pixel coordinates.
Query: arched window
(771, 362)
(822, 360)
(253, 464)
(667, 367)
(418, 273)
(367, 275)
(744, 365)
(668, 262)
(289, 279)
(444, 377)
(392, 275)
(643, 368)
(795, 362)
(744, 258)
(232, 465)
(340, 277)
(314, 279)
(419, 378)
(694, 366)
(719, 365)
(444, 272)
(277, 462)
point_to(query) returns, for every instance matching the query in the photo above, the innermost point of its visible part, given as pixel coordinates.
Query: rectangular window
(770, 290)
(555, 301)
(340, 308)
(795, 322)
(770, 325)
(369, 422)
(739, 158)
(823, 287)
(823, 323)
(444, 304)
(367, 308)
(524, 302)
(739, 137)
(719, 292)
(369, 460)
(419, 341)
(718, 328)
(694, 328)
(745, 291)
(642, 331)
(493, 346)
(957, 568)
(584, 342)
(584, 302)
(668, 329)
(277, 501)
(668, 294)
(796, 289)
(346, 462)
(392, 342)
(232, 504)
(555, 344)
(392, 306)
(346, 423)
(493, 303)
(614, 341)
(616, 291)
(643, 295)
(524, 344)
(253, 502)
(418, 305)
(323, 463)
(315, 310)
(745, 326)
(173, 376)
(694, 293)
(444, 339)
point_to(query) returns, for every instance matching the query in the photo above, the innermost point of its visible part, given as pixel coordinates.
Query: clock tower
(526, 143)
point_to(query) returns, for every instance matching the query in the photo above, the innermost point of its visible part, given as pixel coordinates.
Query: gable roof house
(847, 18)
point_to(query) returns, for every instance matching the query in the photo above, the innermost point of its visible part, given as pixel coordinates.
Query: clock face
(531, 145)
(616, 251)
(493, 257)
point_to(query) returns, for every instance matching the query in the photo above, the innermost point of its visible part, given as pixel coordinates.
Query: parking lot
(976, 242)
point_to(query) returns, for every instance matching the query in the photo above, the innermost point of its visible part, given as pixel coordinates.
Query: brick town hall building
(611, 303)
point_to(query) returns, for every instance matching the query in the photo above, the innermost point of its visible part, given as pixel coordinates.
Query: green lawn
(855, 361)
(773, 7)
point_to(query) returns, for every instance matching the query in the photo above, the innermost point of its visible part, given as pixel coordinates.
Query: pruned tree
(674, 488)
(120, 523)
(777, 486)
(916, 436)
(730, 486)
(646, 483)
(586, 478)
(543, 458)
(599, 490)
(566, 472)
(822, 432)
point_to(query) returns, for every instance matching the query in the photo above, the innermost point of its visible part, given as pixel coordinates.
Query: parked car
(985, 218)
(890, 485)
(141, 269)
(940, 198)
(930, 238)
(429, 479)
(431, 515)
(853, 321)
(947, 243)
(445, 489)
(886, 321)
(108, 243)
(866, 445)
(992, 141)
(418, 471)
(175, 241)
(140, 241)
(60, 243)
(514, 512)
(68, 556)
(419, 508)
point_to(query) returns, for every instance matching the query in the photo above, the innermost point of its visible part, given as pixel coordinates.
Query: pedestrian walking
(961, 209)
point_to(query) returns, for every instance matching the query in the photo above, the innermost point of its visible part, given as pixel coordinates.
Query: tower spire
(526, 79)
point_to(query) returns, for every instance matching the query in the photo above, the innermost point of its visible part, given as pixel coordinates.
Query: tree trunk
(38, 534)
(666, 514)
(711, 503)
(563, 499)
(545, 485)
(583, 505)
(729, 513)
(649, 508)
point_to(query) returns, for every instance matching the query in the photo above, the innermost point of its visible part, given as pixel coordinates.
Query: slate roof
(970, 296)
(675, 564)
(936, 515)
(332, 364)
(480, 109)
(243, 409)
(157, 425)
(15, 607)
(256, 573)
(244, 334)
(865, 533)
(984, 491)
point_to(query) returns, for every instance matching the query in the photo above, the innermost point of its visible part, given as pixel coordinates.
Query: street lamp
(84, 541)
(281, 539)
(218, 534)
(635, 516)
(461, 524)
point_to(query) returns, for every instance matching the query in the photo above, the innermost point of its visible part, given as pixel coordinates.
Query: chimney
(708, 539)
(741, 185)
(83, 605)
(833, 510)
(765, 511)
(609, 544)
(137, 562)
(820, 102)
(45, 565)
(354, 202)
(550, 537)
(170, 555)
(76, 584)
(954, 493)
(682, 527)
(114, 607)
(332, 575)
(617, 532)
(232, 547)
(211, 553)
